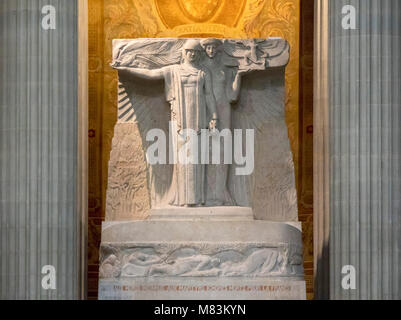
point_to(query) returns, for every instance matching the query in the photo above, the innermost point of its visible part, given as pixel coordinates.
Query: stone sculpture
(202, 85)
(222, 221)
(189, 91)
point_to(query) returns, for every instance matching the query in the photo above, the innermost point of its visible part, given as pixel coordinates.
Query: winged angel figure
(202, 84)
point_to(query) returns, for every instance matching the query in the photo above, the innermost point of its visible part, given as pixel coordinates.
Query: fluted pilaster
(365, 148)
(321, 156)
(40, 222)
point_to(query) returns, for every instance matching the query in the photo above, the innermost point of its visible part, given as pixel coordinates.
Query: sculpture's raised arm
(147, 74)
(235, 88)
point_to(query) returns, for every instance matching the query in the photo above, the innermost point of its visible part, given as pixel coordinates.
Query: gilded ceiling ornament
(199, 11)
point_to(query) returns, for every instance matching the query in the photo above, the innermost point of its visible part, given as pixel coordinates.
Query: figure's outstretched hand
(115, 64)
(242, 72)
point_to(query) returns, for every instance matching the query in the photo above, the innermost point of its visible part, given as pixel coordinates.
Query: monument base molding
(201, 259)
(201, 289)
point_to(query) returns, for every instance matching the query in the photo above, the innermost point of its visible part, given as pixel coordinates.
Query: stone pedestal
(208, 258)
(185, 251)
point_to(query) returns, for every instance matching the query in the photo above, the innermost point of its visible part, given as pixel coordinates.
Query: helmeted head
(211, 46)
(191, 50)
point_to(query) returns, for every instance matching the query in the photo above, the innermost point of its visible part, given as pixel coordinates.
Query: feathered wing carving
(142, 104)
(256, 54)
(134, 101)
(149, 54)
(259, 103)
(271, 187)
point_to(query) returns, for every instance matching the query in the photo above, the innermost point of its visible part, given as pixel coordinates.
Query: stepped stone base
(203, 258)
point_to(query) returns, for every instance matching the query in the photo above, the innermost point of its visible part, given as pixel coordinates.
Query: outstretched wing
(261, 102)
(236, 52)
(235, 48)
(276, 51)
(261, 107)
(138, 185)
(147, 54)
(256, 54)
(134, 98)
(142, 106)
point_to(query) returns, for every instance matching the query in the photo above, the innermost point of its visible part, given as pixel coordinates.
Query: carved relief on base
(200, 260)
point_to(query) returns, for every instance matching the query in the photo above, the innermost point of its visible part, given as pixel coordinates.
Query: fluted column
(321, 156)
(40, 218)
(365, 147)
